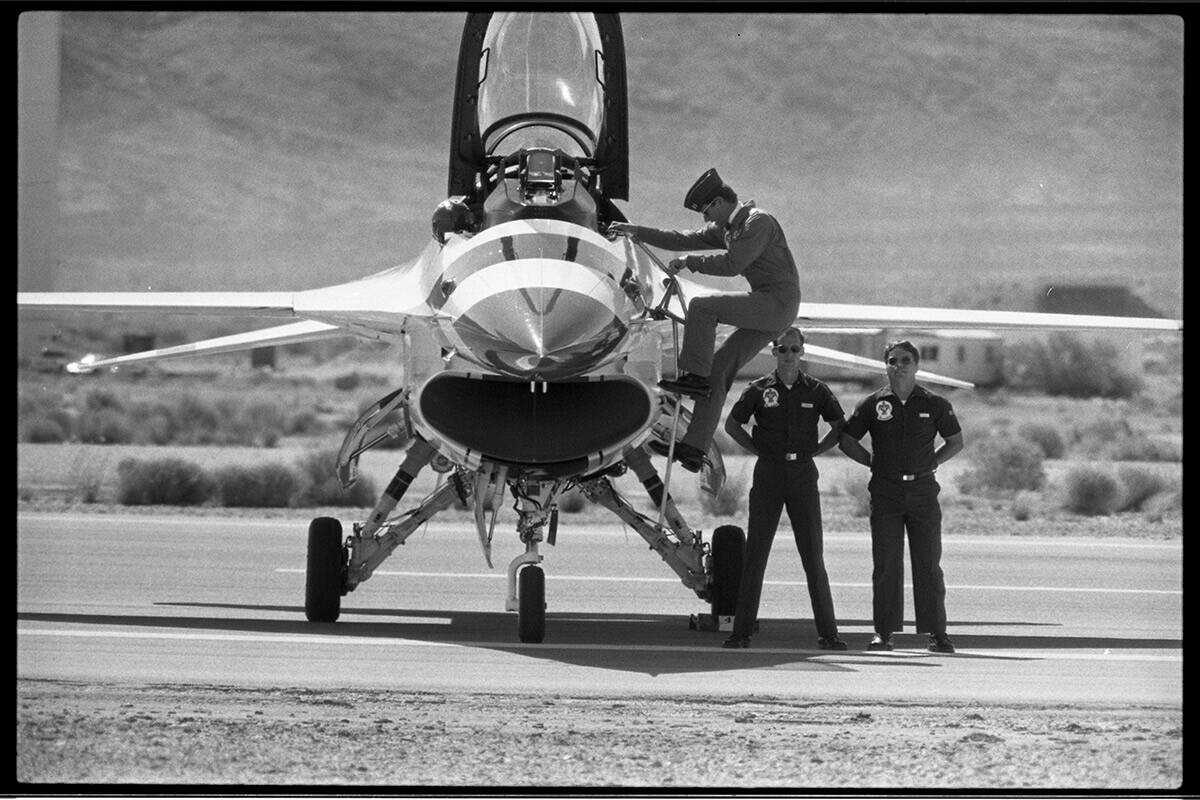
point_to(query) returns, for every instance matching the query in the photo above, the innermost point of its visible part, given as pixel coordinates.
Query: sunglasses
(796, 348)
(893, 360)
(708, 205)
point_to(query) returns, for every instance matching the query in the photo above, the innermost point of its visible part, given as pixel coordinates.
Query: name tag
(806, 405)
(924, 414)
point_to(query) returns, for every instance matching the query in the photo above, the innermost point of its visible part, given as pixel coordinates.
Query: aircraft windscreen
(538, 85)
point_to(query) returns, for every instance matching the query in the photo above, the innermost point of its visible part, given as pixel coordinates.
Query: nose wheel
(531, 610)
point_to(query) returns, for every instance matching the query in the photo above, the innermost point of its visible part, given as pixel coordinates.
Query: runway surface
(219, 601)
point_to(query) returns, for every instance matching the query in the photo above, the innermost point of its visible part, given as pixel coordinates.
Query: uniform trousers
(777, 485)
(758, 316)
(898, 506)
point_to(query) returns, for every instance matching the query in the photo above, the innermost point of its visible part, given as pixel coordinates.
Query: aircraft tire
(728, 551)
(531, 594)
(325, 574)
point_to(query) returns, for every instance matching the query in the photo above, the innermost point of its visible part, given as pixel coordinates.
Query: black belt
(789, 457)
(910, 476)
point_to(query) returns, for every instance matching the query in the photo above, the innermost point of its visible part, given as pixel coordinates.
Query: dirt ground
(73, 733)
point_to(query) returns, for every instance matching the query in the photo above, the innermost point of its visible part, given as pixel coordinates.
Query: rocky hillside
(928, 159)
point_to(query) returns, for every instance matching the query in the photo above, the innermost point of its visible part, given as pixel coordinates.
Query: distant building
(970, 355)
(1109, 300)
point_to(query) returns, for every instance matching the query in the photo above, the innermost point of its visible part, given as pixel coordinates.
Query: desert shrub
(40, 422)
(854, 485)
(154, 423)
(265, 486)
(1115, 440)
(105, 426)
(43, 431)
(1001, 464)
(1139, 485)
(197, 421)
(162, 481)
(1090, 491)
(303, 422)
(1022, 506)
(250, 425)
(1092, 436)
(1139, 447)
(348, 381)
(1066, 365)
(100, 399)
(319, 486)
(1045, 436)
(728, 501)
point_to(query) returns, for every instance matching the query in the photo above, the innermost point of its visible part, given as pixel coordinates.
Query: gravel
(75, 733)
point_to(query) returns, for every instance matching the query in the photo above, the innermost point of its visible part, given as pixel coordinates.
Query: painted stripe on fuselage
(535, 275)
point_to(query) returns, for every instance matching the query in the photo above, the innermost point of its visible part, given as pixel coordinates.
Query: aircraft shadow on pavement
(645, 643)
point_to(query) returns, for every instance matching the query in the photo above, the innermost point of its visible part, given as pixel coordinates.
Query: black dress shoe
(690, 458)
(940, 643)
(736, 642)
(831, 643)
(688, 383)
(881, 641)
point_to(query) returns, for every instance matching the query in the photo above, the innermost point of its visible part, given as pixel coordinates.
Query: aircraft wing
(374, 307)
(291, 333)
(246, 304)
(857, 316)
(836, 358)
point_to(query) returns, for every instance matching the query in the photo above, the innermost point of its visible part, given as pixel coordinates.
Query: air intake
(554, 429)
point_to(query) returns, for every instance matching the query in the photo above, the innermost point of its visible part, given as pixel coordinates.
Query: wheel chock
(710, 622)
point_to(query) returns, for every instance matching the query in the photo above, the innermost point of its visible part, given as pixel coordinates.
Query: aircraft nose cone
(540, 332)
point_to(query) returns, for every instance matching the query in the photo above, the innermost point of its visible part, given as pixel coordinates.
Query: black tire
(325, 577)
(728, 551)
(531, 593)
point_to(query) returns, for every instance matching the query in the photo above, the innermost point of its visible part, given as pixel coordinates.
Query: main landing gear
(337, 564)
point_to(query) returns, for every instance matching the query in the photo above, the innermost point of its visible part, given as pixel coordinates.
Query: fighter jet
(532, 340)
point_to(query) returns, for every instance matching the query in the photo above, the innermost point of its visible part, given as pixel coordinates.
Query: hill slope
(927, 159)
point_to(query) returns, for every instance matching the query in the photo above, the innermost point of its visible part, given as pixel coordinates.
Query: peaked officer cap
(703, 190)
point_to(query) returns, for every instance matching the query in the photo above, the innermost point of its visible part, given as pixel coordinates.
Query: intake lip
(555, 429)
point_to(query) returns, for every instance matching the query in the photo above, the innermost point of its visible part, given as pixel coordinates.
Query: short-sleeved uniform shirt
(785, 420)
(902, 434)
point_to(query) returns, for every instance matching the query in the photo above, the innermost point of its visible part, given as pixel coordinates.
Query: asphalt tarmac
(195, 600)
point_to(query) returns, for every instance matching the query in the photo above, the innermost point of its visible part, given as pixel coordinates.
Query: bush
(105, 426)
(44, 431)
(1066, 365)
(1045, 436)
(1003, 464)
(1022, 506)
(319, 485)
(1091, 491)
(164, 481)
(855, 486)
(100, 399)
(197, 421)
(729, 500)
(348, 381)
(265, 486)
(1140, 485)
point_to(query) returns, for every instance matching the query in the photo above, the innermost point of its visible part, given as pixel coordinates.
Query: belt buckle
(789, 456)
(908, 477)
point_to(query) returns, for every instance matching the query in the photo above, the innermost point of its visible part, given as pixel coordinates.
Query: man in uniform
(904, 419)
(755, 248)
(785, 406)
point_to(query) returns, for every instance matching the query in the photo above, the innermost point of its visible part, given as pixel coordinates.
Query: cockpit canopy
(540, 118)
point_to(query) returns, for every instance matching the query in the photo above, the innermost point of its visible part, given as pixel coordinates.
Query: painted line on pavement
(618, 579)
